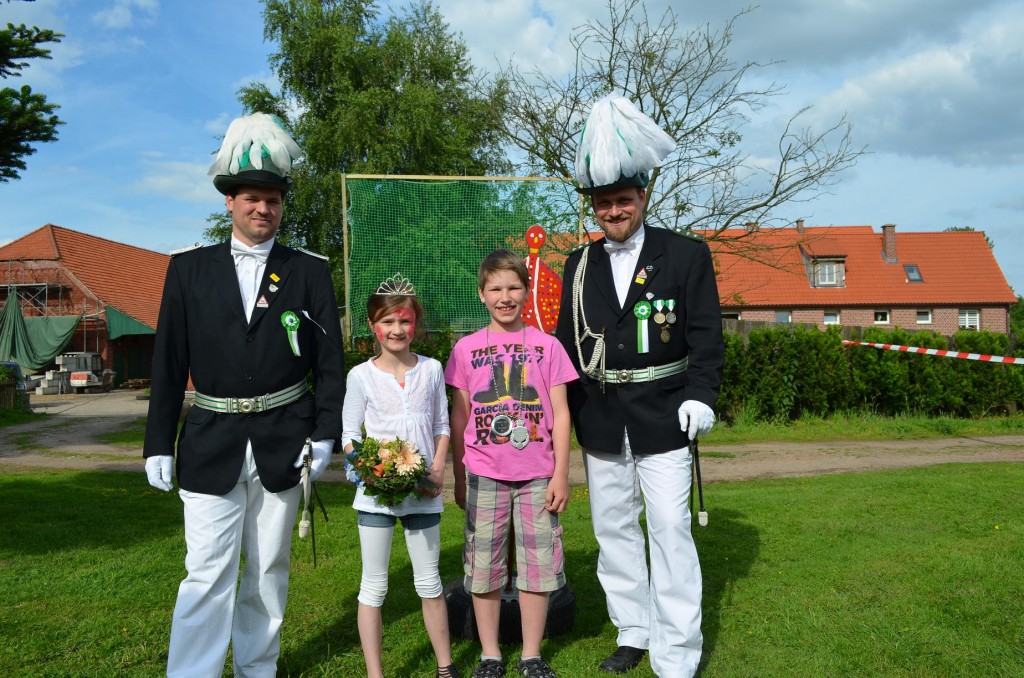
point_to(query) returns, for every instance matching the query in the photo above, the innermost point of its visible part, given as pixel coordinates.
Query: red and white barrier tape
(1010, 360)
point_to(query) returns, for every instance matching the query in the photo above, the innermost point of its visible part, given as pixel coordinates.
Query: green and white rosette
(291, 325)
(642, 311)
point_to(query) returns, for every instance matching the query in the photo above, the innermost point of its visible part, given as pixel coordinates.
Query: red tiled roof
(765, 268)
(129, 278)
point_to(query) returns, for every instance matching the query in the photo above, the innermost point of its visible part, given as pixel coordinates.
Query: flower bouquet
(389, 470)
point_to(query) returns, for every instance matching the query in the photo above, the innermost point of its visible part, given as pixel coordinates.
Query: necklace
(503, 425)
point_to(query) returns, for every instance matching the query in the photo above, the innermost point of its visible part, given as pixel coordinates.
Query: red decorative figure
(545, 294)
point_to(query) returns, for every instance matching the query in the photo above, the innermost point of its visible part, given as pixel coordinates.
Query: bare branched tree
(687, 83)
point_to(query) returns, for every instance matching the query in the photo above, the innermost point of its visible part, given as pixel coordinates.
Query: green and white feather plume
(261, 131)
(619, 141)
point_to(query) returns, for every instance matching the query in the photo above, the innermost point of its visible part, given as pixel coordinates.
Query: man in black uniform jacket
(247, 320)
(640, 318)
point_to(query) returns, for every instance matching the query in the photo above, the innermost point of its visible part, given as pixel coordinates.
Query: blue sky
(934, 88)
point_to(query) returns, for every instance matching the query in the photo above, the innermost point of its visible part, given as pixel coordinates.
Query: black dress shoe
(623, 659)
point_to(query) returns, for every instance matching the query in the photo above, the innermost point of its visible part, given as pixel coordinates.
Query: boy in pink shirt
(510, 439)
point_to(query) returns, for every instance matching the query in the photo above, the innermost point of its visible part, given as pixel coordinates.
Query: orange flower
(408, 460)
(378, 470)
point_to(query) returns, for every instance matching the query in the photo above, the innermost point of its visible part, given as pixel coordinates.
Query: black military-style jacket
(202, 332)
(670, 267)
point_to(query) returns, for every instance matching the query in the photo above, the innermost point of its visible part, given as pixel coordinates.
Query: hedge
(782, 372)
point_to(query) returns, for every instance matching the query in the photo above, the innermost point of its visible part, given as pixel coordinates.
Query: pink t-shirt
(499, 380)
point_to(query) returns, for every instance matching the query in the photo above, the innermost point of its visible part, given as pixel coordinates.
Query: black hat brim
(228, 184)
(635, 181)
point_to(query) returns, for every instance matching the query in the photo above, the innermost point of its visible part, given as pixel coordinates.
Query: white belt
(252, 405)
(643, 374)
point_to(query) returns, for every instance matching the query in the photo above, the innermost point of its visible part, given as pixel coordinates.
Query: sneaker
(449, 672)
(489, 668)
(535, 668)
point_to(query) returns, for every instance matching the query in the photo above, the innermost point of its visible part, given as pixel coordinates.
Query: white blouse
(417, 413)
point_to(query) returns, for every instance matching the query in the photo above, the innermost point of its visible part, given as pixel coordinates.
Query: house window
(970, 319)
(730, 316)
(783, 317)
(881, 317)
(913, 273)
(827, 273)
(831, 317)
(924, 317)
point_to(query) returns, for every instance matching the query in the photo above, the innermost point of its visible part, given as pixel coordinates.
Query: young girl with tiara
(399, 394)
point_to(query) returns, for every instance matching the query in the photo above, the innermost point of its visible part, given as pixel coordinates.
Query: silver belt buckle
(624, 376)
(246, 405)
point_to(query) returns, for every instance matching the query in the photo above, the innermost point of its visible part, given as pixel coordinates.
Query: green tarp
(120, 323)
(32, 342)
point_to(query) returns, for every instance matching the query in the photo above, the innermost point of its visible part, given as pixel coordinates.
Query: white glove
(321, 458)
(695, 418)
(158, 471)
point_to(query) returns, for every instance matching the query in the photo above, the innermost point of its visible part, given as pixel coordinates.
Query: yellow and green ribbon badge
(291, 325)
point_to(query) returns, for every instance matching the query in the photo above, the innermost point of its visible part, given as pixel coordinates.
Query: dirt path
(68, 439)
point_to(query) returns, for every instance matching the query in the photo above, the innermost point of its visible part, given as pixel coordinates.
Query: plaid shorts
(492, 506)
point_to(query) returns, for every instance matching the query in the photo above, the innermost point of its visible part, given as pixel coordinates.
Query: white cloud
(127, 14)
(1012, 202)
(218, 125)
(183, 181)
(962, 102)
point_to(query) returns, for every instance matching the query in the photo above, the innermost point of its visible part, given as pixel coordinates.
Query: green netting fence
(435, 231)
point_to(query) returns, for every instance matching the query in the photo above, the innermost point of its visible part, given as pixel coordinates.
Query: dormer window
(913, 273)
(828, 273)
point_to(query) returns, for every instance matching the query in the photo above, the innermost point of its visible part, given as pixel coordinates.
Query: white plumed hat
(237, 164)
(619, 146)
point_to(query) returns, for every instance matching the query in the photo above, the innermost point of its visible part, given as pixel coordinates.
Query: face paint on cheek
(379, 331)
(407, 314)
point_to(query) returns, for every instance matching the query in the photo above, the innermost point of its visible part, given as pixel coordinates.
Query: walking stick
(307, 526)
(702, 515)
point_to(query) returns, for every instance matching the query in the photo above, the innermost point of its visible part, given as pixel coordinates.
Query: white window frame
(888, 317)
(787, 314)
(826, 273)
(827, 312)
(964, 319)
(739, 316)
(928, 317)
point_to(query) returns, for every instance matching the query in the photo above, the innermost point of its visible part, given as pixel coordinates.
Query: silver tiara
(398, 285)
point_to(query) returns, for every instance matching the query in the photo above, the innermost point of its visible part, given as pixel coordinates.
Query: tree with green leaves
(1017, 319)
(687, 83)
(366, 94)
(26, 117)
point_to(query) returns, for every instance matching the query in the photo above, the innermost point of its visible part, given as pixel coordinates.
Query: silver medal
(502, 425)
(520, 435)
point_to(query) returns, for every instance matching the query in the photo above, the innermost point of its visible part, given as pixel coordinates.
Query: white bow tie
(242, 251)
(613, 247)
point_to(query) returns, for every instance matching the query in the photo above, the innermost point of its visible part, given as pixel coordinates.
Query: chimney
(889, 243)
(799, 225)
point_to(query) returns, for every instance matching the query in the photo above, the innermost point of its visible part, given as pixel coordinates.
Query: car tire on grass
(461, 622)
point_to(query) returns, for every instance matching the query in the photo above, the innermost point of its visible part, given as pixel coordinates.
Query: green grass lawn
(862, 427)
(132, 435)
(897, 573)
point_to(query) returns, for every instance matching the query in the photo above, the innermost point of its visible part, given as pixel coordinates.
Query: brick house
(854, 276)
(115, 288)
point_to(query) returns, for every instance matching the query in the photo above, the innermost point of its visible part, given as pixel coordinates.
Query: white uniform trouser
(659, 610)
(208, 614)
